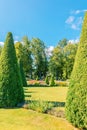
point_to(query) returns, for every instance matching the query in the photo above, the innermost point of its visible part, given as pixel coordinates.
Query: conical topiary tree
(76, 103)
(47, 80)
(11, 90)
(24, 82)
(52, 82)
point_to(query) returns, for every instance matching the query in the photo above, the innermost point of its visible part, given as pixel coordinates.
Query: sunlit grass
(24, 119)
(47, 93)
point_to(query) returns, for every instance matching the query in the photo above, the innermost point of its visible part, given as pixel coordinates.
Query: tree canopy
(37, 62)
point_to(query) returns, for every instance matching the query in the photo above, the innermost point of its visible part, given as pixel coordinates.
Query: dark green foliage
(23, 78)
(76, 104)
(27, 61)
(11, 90)
(23, 52)
(0, 49)
(52, 82)
(37, 78)
(47, 80)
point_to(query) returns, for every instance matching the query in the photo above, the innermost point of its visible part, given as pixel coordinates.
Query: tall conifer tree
(11, 90)
(76, 104)
(24, 82)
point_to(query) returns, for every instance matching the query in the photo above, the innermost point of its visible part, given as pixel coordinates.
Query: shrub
(47, 80)
(52, 82)
(62, 83)
(40, 106)
(37, 83)
(76, 103)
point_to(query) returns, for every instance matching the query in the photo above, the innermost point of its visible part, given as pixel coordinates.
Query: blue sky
(49, 20)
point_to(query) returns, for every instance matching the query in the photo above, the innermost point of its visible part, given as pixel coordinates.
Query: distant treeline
(38, 61)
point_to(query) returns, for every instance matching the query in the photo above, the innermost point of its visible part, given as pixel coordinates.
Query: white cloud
(78, 11)
(15, 41)
(77, 23)
(1, 43)
(79, 20)
(74, 26)
(74, 23)
(16, 38)
(70, 20)
(84, 10)
(49, 50)
(74, 40)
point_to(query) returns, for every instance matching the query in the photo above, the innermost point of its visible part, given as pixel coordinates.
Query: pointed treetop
(84, 29)
(9, 38)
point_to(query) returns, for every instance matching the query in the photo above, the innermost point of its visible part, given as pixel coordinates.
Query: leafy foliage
(27, 61)
(56, 63)
(69, 58)
(76, 105)
(23, 53)
(39, 58)
(62, 60)
(24, 82)
(62, 43)
(11, 90)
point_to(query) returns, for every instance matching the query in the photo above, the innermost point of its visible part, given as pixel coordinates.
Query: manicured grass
(46, 93)
(24, 119)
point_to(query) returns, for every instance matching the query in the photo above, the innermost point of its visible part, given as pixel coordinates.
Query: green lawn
(46, 93)
(23, 119)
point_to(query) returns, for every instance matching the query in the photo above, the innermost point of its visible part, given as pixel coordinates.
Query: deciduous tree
(40, 65)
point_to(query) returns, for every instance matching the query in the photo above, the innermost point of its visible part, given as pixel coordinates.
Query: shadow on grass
(29, 92)
(54, 103)
(25, 88)
(27, 95)
(40, 85)
(57, 104)
(18, 106)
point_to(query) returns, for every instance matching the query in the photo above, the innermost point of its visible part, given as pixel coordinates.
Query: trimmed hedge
(23, 78)
(11, 90)
(76, 103)
(52, 81)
